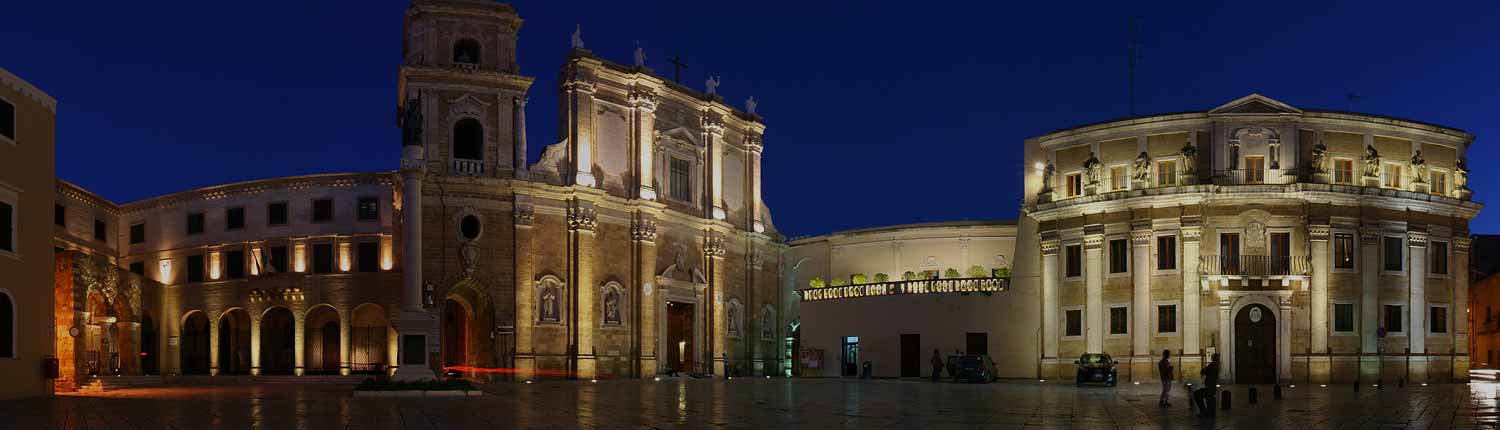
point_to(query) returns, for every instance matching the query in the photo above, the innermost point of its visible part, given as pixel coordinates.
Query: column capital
(1461, 244)
(1318, 232)
(713, 126)
(754, 145)
(1049, 247)
(1416, 239)
(1141, 237)
(713, 246)
(524, 215)
(582, 218)
(1192, 234)
(1370, 236)
(1093, 241)
(519, 101)
(643, 230)
(642, 100)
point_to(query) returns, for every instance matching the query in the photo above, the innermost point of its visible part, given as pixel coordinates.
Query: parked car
(1097, 368)
(974, 368)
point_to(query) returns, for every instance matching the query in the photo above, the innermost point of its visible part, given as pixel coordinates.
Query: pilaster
(1319, 370)
(523, 214)
(1192, 235)
(643, 127)
(1093, 257)
(1460, 307)
(643, 236)
(1140, 313)
(582, 220)
(1369, 305)
(1049, 302)
(1416, 275)
(713, 253)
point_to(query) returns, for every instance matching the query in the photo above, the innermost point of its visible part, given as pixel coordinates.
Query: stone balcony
(468, 167)
(895, 288)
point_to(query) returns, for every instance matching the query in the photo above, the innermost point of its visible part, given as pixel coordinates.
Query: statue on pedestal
(1461, 175)
(1372, 162)
(1319, 158)
(712, 84)
(1418, 167)
(578, 36)
(1091, 169)
(1142, 167)
(1189, 159)
(640, 56)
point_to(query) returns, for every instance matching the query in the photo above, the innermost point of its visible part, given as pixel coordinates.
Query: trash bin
(865, 373)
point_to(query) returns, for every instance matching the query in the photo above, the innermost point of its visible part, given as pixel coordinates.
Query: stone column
(713, 252)
(643, 126)
(1140, 312)
(582, 219)
(1460, 310)
(299, 343)
(518, 136)
(1369, 306)
(415, 325)
(1225, 324)
(1284, 341)
(1049, 305)
(213, 344)
(345, 324)
(1191, 296)
(580, 125)
(1417, 326)
(1318, 247)
(1093, 271)
(713, 136)
(255, 346)
(523, 212)
(643, 233)
(755, 147)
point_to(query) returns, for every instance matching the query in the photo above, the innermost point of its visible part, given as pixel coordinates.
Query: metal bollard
(1226, 399)
(1253, 395)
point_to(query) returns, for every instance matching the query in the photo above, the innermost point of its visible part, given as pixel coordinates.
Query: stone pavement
(753, 404)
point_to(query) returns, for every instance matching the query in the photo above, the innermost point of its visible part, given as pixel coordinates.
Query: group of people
(1203, 397)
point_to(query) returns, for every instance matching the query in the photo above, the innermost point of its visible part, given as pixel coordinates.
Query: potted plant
(858, 279)
(816, 282)
(977, 271)
(909, 276)
(951, 273)
(838, 282)
(881, 277)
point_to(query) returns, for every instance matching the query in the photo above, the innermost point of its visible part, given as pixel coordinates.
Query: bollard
(1226, 399)
(1379, 384)
(1276, 392)
(1253, 395)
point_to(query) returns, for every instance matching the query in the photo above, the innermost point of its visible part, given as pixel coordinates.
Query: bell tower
(461, 108)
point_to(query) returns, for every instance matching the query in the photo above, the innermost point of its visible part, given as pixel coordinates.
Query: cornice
(78, 193)
(23, 87)
(387, 179)
(1339, 195)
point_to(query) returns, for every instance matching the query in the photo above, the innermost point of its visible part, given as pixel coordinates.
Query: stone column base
(415, 323)
(1142, 369)
(1369, 369)
(648, 367)
(1050, 369)
(1319, 369)
(1460, 371)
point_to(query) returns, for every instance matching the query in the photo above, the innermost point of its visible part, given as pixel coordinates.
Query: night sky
(877, 113)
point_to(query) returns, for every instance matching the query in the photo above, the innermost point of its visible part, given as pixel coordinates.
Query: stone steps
(111, 383)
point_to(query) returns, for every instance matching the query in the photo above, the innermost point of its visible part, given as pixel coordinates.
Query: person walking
(1164, 369)
(937, 365)
(1204, 397)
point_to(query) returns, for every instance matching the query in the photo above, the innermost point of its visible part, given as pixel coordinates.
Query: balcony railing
(1253, 177)
(468, 167)
(923, 286)
(1254, 265)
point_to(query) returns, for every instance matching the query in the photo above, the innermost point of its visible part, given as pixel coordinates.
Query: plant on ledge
(909, 276)
(838, 282)
(881, 277)
(951, 273)
(977, 271)
(859, 278)
(816, 282)
(1003, 272)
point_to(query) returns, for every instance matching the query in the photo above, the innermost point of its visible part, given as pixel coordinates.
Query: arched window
(466, 51)
(468, 140)
(7, 326)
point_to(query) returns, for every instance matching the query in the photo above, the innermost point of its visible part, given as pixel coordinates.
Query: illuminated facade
(1301, 245)
(28, 130)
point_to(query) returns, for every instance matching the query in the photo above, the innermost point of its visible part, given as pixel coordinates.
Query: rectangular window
(369, 209)
(1343, 251)
(1439, 183)
(1166, 318)
(234, 264)
(1255, 169)
(195, 223)
(234, 218)
(368, 257)
(322, 210)
(681, 180)
(1439, 320)
(1393, 255)
(1343, 317)
(1391, 176)
(930, 274)
(1343, 171)
(1119, 252)
(323, 258)
(138, 268)
(1074, 260)
(1166, 173)
(8, 120)
(1393, 322)
(1166, 253)
(101, 233)
(195, 268)
(1439, 260)
(1075, 185)
(279, 259)
(137, 234)
(1118, 321)
(276, 213)
(7, 227)
(1118, 180)
(1229, 253)
(1074, 323)
(60, 215)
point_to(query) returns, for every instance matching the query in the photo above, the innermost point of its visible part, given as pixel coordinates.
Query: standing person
(1204, 397)
(1164, 368)
(937, 365)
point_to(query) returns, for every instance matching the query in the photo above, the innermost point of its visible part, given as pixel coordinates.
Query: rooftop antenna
(1135, 47)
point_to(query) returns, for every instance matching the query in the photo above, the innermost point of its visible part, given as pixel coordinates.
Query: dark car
(974, 368)
(1097, 368)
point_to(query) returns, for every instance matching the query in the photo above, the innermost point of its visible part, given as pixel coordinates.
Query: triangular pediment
(1254, 104)
(681, 134)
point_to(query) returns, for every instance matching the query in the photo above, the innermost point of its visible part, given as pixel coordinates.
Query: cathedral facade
(1295, 245)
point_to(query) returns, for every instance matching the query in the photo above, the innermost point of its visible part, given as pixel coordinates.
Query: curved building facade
(1297, 244)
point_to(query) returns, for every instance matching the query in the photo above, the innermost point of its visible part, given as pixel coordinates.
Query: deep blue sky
(877, 112)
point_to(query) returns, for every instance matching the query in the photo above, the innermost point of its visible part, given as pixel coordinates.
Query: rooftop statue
(578, 36)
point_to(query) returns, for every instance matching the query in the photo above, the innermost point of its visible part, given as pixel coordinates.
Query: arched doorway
(368, 345)
(234, 343)
(321, 341)
(1255, 345)
(194, 344)
(455, 334)
(277, 342)
(149, 346)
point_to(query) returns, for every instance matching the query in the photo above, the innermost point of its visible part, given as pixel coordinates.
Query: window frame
(101, 230)
(1434, 176)
(1447, 319)
(1066, 320)
(1433, 255)
(1333, 244)
(332, 210)
(686, 180)
(202, 223)
(286, 213)
(200, 269)
(1073, 185)
(454, 143)
(1385, 318)
(332, 258)
(1069, 265)
(1110, 320)
(141, 239)
(478, 51)
(60, 215)
(1385, 258)
(1176, 318)
(359, 261)
(229, 224)
(1124, 257)
(1259, 171)
(1353, 318)
(1123, 184)
(11, 197)
(285, 262)
(232, 270)
(1176, 256)
(15, 123)
(359, 208)
(1387, 177)
(1166, 172)
(15, 326)
(1347, 178)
